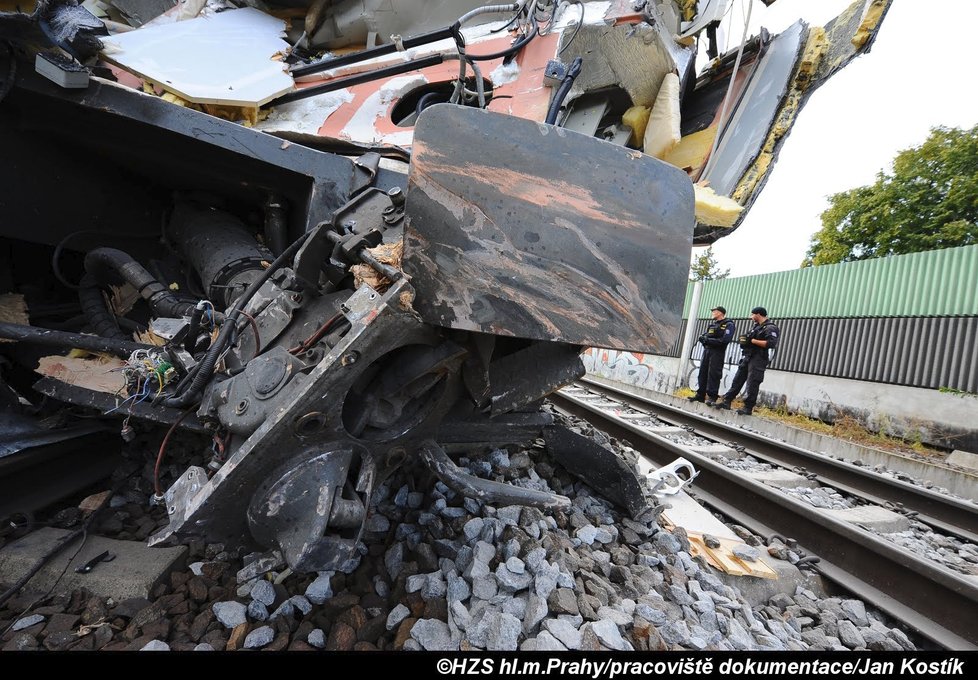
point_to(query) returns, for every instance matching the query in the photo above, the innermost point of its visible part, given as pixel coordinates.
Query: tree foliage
(705, 267)
(929, 201)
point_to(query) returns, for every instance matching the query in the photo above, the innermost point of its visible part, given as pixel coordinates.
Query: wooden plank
(723, 558)
(13, 309)
(98, 374)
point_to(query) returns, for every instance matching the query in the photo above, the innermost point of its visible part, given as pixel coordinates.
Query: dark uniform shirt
(719, 334)
(764, 331)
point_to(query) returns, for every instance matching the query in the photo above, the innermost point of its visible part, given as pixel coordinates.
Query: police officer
(757, 344)
(715, 340)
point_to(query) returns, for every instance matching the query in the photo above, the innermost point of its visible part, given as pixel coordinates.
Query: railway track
(927, 596)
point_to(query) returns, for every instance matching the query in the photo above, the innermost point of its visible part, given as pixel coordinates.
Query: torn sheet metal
(742, 135)
(228, 58)
(611, 476)
(139, 12)
(823, 51)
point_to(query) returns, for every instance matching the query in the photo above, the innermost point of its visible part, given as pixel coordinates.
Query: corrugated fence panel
(919, 352)
(935, 283)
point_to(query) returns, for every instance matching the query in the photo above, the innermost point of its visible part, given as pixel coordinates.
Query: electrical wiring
(159, 456)
(576, 28)
(145, 372)
(722, 120)
(317, 335)
(254, 328)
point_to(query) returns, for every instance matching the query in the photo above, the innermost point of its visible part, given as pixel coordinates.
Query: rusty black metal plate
(523, 229)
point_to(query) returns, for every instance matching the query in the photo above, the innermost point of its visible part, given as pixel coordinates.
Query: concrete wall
(939, 419)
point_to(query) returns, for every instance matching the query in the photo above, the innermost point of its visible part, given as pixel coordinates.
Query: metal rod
(340, 83)
(363, 55)
(485, 490)
(65, 340)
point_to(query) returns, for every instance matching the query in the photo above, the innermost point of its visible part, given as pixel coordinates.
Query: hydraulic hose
(565, 85)
(205, 368)
(96, 313)
(103, 261)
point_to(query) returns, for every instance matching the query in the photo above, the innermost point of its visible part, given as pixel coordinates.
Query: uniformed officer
(715, 340)
(757, 344)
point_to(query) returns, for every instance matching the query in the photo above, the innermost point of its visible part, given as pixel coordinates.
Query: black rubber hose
(101, 261)
(205, 368)
(509, 51)
(426, 101)
(66, 341)
(99, 318)
(565, 85)
(190, 342)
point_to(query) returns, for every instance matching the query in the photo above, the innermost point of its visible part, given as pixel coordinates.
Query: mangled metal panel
(350, 22)
(227, 59)
(539, 233)
(823, 52)
(742, 136)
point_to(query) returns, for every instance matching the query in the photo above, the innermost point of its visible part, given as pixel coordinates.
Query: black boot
(722, 405)
(696, 397)
(745, 411)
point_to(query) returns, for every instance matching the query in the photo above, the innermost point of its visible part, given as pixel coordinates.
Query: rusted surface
(522, 229)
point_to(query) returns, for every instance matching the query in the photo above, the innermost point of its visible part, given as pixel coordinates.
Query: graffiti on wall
(693, 376)
(640, 370)
(631, 368)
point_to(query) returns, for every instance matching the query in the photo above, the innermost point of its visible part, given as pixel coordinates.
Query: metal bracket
(670, 479)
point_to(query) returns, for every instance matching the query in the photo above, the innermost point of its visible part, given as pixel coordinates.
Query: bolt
(397, 196)
(241, 407)
(350, 358)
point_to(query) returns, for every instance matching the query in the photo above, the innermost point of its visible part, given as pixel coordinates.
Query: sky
(918, 75)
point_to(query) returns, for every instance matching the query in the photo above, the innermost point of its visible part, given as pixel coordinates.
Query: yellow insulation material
(245, 115)
(687, 9)
(869, 23)
(662, 133)
(715, 210)
(691, 151)
(637, 118)
(815, 49)
(818, 44)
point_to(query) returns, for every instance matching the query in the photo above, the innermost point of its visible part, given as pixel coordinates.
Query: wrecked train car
(335, 265)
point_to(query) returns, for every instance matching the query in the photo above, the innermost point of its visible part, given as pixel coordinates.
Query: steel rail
(935, 602)
(949, 515)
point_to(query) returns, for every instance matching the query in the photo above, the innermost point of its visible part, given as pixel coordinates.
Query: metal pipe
(63, 340)
(276, 224)
(340, 83)
(379, 51)
(687, 347)
(485, 490)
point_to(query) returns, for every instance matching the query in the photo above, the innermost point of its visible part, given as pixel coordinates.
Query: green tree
(928, 202)
(705, 267)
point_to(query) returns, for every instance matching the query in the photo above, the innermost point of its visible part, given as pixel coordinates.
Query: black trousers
(711, 370)
(750, 371)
